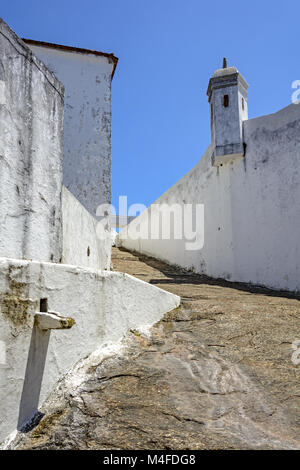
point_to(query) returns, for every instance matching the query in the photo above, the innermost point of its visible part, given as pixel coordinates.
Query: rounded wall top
(224, 77)
(225, 71)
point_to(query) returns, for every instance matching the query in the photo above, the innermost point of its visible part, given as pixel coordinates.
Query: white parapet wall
(104, 306)
(84, 244)
(251, 230)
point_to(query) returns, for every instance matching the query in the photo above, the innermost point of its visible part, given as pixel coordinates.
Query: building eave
(78, 50)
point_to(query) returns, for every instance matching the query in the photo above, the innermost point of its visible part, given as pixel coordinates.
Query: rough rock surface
(214, 373)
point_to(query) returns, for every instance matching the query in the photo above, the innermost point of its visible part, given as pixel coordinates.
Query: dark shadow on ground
(178, 275)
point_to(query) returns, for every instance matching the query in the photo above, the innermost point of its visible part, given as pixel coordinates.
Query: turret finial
(225, 63)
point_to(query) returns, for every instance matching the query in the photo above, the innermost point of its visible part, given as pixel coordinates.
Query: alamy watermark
(296, 93)
(161, 221)
(296, 353)
(2, 353)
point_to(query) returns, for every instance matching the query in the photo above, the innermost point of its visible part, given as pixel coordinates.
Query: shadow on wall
(28, 412)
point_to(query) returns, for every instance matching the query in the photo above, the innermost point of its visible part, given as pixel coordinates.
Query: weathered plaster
(31, 146)
(87, 128)
(251, 207)
(104, 305)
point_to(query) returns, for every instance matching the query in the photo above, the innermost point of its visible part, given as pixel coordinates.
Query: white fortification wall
(87, 127)
(251, 209)
(31, 150)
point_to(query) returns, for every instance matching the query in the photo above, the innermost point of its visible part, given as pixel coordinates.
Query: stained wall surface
(31, 152)
(87, 129)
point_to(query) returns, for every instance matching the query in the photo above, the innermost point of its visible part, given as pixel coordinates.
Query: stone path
(215, 373)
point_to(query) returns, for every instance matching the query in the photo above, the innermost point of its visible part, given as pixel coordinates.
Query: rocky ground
(215, 373)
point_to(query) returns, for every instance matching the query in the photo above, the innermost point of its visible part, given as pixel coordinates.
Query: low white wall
(81, 245)
(104, 306)
(251, 209)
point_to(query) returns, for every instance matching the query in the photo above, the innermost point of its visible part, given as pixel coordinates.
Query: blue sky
(167, 51)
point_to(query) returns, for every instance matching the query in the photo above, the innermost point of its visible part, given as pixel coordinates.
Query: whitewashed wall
(31, 150)
(87, 128)
(81, 244)
(251, 209)
(104, 305)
